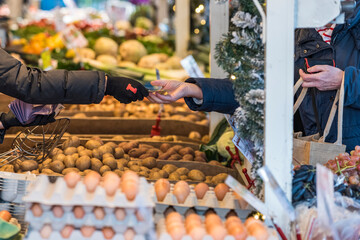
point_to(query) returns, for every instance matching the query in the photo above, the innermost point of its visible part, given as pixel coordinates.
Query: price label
(191, 67)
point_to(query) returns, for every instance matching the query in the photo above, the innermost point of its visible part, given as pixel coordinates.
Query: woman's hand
(175, 90)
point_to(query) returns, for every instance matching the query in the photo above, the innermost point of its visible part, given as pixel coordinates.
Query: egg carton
(13, 186)
(76, 235)
(89, 219)
(57, 193)
(162, 234)
(209, 201)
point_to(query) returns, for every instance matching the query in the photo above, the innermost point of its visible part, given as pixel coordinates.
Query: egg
(220, 191)
(66, 231)
(129, 234)
(172, 225)
(139, 216)
(111, 183)
(256, 228)
(71, 179)
(78, 212)
(200, 190)
(58, 211)
(197, 233)
(99, 213)
(177, 232)
(211, 219)
(91, 181)
(232, 219)
(130, 188)
(218, 232)
(120, 214)
(46, 231)
(87, 231)
(181, 191)
(162, 188)
(243, 204)
(108, 232)
(36, 210)
(5, 215)
(130, 175)
(173, 217)
(238, 231)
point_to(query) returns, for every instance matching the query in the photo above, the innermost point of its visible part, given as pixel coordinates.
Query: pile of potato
(100, 157)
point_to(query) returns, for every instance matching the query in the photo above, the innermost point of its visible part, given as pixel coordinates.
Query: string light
(203, 22)
(174, 8)
(201, 7)
(196, 31)
(232, 77)
(256, 216)
(197, 10)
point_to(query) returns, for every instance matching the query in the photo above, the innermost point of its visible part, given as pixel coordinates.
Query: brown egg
(91, 181)
(200, 190)
(256, 229)
(111, 183)
(108, 232)
(78, 212)
(232, 219)
(120, 214)
(197, 233)
(238, 231)
(71, 179)
(177, 232)
(36, 210)
(218, 232)
(129, 234)
(162, 188)
(130, 188)
(173, 217)
(220, 191)
(181, 191)
(243, 204)
(99, 213)
(87, 231)
(46, 231)
(212, 218)
(130, 175)
(58, 211)
(66, 231)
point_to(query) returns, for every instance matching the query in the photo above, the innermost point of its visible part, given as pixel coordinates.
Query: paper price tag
(191, 67)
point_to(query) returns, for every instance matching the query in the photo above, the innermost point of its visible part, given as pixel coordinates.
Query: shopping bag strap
(302, 95)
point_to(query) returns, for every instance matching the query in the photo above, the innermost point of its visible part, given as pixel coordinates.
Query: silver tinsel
(244, 20)
(220, 1)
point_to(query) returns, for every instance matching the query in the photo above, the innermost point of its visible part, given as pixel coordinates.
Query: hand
(125, 90)
(175, 90)
(9, 120)
(324, 77)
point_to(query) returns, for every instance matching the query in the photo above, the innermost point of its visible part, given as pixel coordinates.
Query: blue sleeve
(352, 87)
(218, 95)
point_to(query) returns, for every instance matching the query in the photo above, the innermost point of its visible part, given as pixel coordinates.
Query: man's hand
(323, 77)
(175, 90)
(9, 120)
(125, 90)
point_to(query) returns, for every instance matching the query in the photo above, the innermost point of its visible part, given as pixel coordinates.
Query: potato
(104, 169)
(144, 174)
(208, 179)
(220, 178)
(175, 157)
(27, 165)
(118, 152)
(196, 175)
(177, 148)
(153, 152)
(111, 144)
(183, 177)
(182, 171)
(85, 152)
(132, 163)
(216, 163)
(107, 155)
(188, 157)
(164, 147)
(83, 163)
(171, 151)
(164, 156)
(145, 156)
(110, 162)
(137, 152)
(195, 135)
(96, 164)
(36, 172)
(80, 148)
(135, 168)
(118, 138)
(199, 159)
(9, 168)
(186, 150)
(155, 170)
(127, 157)
(96, 153)
(130, 145)
(164, 174)
(46, 161)
(174, 176)
(92, 144)
(97, 138)
(72, 141)
(123, 161)
(69, 161)
(142, 145)
(75, 156)
(122, 144)
(169, 168)
(149, 162)
(200, 154)
(155, 175)
(67, 170)
(59, 157)
(55, 152)
(105, 149)
(57, 166)
(48, 171)
(119, 172)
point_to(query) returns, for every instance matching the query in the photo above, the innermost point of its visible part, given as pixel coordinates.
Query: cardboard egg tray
(57, 193)
(89, 219)
(76, 235)
(209, 201)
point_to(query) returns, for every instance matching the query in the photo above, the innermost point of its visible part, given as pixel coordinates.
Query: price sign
(191, 67)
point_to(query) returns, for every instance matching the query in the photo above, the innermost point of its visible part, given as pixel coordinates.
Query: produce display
(9, 226)
(95, 208)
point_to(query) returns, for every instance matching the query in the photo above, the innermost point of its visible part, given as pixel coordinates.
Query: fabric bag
(313, 149)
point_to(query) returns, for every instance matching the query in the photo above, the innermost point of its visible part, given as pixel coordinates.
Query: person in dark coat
(342, 48)
(35, 86)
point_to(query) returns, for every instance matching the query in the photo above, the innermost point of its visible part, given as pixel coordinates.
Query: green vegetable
(8, 230)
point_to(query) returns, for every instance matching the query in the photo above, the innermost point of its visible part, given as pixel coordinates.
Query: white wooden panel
(279, 101)
(182, 27)
(162, 10)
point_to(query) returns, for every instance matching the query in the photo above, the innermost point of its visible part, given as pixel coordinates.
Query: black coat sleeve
(35, 86)
(218, 95)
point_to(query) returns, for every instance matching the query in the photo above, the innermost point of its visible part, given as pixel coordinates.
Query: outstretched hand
(175, 90)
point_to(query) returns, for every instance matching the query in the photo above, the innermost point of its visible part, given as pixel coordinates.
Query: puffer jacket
(345, 50)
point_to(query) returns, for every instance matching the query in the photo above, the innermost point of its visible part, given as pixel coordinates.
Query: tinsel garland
(241, 54)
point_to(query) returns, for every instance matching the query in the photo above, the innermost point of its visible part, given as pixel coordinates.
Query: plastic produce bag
(8, 230)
